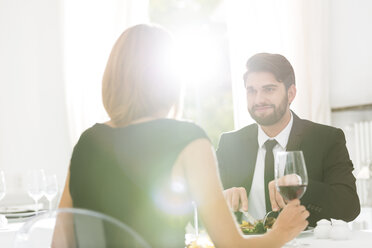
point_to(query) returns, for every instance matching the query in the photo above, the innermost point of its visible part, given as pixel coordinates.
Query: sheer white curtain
(91, 28)
(298, 29)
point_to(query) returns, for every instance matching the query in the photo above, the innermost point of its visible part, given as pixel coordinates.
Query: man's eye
(269, 90)
(250, 91)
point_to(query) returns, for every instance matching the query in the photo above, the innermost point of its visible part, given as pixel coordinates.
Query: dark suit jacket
(331, 191)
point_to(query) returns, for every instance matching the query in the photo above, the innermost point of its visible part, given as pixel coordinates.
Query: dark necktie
(269, 170)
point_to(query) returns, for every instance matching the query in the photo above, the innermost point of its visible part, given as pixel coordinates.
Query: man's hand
(291, 221)
(277, 201)
(235, 197)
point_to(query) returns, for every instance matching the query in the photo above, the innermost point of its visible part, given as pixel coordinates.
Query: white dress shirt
(256, 198)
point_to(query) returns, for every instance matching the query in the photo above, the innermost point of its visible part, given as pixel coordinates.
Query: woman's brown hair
(139, 79)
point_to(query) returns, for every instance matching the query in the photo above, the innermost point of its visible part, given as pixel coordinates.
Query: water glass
(35, 185)
(51, 188)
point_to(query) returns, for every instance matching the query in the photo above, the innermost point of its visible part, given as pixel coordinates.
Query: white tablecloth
(7, 234)
(359, 239)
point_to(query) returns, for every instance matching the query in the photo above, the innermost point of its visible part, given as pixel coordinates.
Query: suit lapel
(251, 147)
(296, 135)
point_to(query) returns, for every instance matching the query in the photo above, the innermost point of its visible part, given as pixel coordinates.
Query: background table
(358, 239)
(7, 234)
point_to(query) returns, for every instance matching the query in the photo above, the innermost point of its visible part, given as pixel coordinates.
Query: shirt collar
(281, 138)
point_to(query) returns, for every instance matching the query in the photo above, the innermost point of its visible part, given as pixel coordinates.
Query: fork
(266, 215)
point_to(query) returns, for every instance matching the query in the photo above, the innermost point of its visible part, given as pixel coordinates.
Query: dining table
(357, 238)
(8, 233)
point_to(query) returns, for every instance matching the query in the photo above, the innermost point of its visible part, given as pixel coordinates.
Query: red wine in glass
(292, 192)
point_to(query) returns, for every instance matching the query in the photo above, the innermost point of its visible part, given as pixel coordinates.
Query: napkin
(334, 229)
(340, 230)
(322, 229)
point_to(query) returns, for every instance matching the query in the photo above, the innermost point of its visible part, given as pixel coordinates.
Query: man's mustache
(262, 106)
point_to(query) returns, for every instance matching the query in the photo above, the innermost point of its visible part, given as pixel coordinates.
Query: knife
(249, 217)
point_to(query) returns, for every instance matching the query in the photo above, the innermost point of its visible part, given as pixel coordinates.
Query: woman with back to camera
(143, 168)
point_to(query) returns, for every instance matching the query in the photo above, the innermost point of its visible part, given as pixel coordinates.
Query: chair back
(76, 228)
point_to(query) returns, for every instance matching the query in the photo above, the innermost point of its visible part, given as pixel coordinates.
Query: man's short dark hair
(276, 64)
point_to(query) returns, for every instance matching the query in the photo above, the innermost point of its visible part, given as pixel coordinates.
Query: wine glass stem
(50, 205)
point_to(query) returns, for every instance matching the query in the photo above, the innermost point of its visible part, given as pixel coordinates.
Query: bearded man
(246, 156)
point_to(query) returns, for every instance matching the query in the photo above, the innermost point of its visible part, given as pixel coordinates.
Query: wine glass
(2, 185)
(291, 177)
(35, 185)
(51, 188)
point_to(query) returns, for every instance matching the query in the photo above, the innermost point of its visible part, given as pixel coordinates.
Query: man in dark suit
(246, 156)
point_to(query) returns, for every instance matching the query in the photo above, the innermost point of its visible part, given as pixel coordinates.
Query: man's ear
(291, 92)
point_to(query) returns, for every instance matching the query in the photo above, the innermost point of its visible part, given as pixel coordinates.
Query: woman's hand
(291, 221)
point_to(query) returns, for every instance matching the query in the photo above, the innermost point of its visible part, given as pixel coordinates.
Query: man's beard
(271, 119)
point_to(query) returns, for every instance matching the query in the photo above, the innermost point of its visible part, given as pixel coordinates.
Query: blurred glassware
(51, 188)
(35, 185)
(364, 184)
(3, 220)
(2, 185)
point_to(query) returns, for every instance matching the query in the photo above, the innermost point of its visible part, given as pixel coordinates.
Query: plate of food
(258, 228)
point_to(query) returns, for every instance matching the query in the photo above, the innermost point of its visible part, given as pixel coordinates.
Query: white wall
(351, 80)
(351, 52)
(350, 64)
(33, 125)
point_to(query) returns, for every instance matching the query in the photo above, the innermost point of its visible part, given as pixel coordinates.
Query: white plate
(19, 215)
(26, 213)
(309, 230)
(253, 235)
(20, 208)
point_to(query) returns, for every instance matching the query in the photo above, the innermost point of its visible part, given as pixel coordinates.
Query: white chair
(76, 228)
